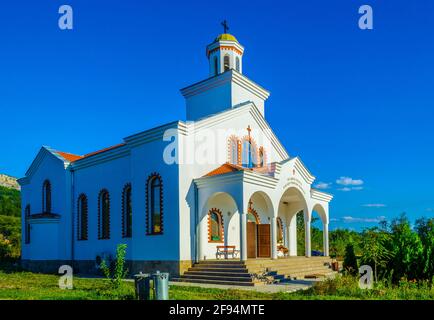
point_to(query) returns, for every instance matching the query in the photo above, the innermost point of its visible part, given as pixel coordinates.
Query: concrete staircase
(293, 268)
(235, 272)
(228, 272)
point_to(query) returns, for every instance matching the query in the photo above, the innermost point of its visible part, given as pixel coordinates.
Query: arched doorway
(219, 225)
(292, 211)
(252, 225)
(319, 230)
(259, 226)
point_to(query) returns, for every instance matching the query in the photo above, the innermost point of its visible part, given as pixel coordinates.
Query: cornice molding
(320, 195)
(223, 78)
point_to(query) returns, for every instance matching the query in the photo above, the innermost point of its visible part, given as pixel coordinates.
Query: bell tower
(224, 53)
(226, 87)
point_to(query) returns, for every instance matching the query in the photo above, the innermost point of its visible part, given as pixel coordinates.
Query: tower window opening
(237, 64)
(226, 63)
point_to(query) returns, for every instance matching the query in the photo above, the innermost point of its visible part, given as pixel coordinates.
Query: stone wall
(9, 182)
(89, 267)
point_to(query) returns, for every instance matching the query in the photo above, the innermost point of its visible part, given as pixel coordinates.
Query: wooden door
(264, 241)
(251, 239)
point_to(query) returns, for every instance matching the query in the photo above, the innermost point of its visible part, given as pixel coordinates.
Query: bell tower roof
(225, 37)
(226, 87)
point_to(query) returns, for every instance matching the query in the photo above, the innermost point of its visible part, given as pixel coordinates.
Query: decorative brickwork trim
(225, 48)
(106, 226)
(221, 226)
(255, 214)
(235, 139)
(126, 189)
(82, 217)
(264, 157)
(148, 204)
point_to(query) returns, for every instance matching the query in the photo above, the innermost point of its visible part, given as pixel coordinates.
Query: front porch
(257, 271)
(258, 220)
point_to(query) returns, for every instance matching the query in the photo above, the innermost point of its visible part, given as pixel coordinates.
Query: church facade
(177, 193)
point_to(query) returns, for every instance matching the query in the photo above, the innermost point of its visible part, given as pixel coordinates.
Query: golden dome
(225, 37)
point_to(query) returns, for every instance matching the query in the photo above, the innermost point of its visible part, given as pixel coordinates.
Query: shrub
(5, 248)
(116, 271)
(10, 228)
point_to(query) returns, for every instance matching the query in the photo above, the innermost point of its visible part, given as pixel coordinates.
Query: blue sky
(352, 103)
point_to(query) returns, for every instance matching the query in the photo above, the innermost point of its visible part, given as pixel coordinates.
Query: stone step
(224, 282)
(282, 265)
(318, 275)
(220, 265)
(218, 269)
(220, 274)
(290, 267)
(213, 277)
(292, 263)
(222, 261)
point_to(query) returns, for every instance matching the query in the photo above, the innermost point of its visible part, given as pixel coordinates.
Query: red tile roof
(73, 157)
(69, 156)
(225, 168)
(103, 150)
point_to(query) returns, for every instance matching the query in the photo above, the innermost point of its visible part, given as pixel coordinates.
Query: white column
(287, 233)
(274, 238)
(200, 244)
(292, 233)
(326, 239)
(243, 236)
(307, 238)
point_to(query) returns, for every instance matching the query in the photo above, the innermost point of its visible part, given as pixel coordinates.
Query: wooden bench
(226, 251)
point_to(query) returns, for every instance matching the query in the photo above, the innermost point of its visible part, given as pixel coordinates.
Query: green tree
(10, 202)
(374, 249)
(350, 260)
(407, 250)
(425, 231)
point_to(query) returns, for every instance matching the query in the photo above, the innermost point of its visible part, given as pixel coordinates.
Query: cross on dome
(225, 26)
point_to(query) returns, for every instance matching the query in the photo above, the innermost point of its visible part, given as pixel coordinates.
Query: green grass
(34, 286)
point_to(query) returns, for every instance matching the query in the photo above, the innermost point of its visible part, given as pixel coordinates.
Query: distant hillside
(10, 201)
(9, 182)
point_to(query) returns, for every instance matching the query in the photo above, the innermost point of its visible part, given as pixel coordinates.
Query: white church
(218, 186)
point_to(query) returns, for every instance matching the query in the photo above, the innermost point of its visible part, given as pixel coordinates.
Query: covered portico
(255, 211)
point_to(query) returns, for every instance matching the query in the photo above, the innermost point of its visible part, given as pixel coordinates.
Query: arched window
(233, 150)
(226, 63)
(216, 66)
(279, 230)
(27, 224)
(261, 161)
(215, 226)
(237, 64)
(82, 217)
(154, 205)
(248, 154)
(46, 197)
(127, 212)
(104, 215)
